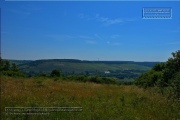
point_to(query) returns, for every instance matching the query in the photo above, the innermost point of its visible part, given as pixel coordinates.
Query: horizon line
(84, 60)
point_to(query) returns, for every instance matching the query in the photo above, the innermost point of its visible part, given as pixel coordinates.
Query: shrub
(105, 80)
(8, 69)
(175, 84)
(159, 67)
(12, 74)
(165, 75)
(148, 79)
(55, 73)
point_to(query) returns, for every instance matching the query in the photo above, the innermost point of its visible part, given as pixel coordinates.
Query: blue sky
(87, 31)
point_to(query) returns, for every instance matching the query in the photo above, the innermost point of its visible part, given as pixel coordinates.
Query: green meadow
(98, 101)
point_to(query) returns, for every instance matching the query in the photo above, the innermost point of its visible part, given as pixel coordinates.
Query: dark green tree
(7, 65)
(171, 68)
(159, 67)
(14, 67)
(165, 76)
(176, 85)
(55, 73)
(148, 79)
(9, 69)
(1, 65)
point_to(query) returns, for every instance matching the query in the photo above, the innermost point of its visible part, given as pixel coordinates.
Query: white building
(106, 72)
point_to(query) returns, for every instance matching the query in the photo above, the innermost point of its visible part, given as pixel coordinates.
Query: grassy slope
(98, 101)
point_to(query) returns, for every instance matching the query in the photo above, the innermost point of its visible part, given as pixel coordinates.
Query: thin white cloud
(60, 37)
(85, 37)
(174, 30)
(115, 36)
(81, 15)
(21, 12)
(31, 8)
(173, 43)
(107, 20)
(108, 42)
(85, 16)
(131, 19)
(116, 44)
(26, 10)
(113, 43)
(168, 43)
(98, 36)
(91, 42)
(90, 39)
(177, 30)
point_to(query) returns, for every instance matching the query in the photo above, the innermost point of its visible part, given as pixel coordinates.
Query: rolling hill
(118, 69)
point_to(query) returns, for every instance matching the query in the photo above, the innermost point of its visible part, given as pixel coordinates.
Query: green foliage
(55, 73)
(14, 67)
(12, 74)
(148, 79)
(171, 68)
(159, 67)
(8, 69)
(82, 78)
(106, 80)
(174, 62)
(6, 65)
(1, 65)
(164, 75)
(95, 79)
(175, 85)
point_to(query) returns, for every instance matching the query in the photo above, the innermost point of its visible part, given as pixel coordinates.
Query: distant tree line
(56, 74)
(94, 78)
(165, 76)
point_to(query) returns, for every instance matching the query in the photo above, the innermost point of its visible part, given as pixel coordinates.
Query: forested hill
(29, 62)
(118, 69)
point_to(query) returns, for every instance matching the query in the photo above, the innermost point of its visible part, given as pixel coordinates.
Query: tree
(14, 67)
(1, 65)
(7, 65)
(165, 76)
(171, 68)
(159, 67)
(148, 79)
(176, 85)
(55, 73)
(173, 63)
(8, 69)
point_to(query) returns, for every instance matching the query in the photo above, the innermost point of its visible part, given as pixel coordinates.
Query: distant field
(98, 101)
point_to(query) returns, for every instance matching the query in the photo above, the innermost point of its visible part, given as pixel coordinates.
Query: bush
(105, 80)
(8, 69)
(94, 79)
(164, 75)
(148, 79)
(12, 74)
(55, 73)
(159, 67)
(175, 84)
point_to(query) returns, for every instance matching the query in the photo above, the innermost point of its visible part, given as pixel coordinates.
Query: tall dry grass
(98, 101)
